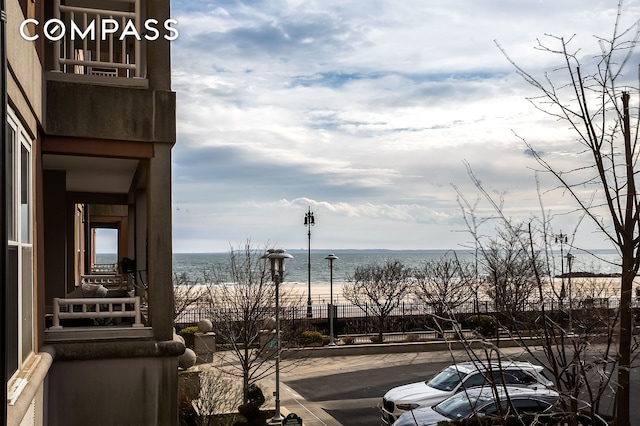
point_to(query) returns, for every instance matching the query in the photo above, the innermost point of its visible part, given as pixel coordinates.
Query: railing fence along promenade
(357, 320)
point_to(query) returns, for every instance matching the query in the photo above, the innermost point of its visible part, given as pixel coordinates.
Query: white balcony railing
(104, 268)
(92, 308)
(97, 53)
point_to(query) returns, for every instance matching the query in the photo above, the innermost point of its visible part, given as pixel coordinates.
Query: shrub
(187, 334)
(347, 340)
(485, 325)
(326, 340)
(311, 338)
(375, 339)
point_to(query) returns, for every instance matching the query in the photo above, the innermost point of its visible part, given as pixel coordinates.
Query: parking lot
(348, 390)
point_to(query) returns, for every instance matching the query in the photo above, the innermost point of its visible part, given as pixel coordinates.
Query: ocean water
(194, 264)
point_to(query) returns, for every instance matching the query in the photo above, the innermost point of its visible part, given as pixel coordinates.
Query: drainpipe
(3, 208)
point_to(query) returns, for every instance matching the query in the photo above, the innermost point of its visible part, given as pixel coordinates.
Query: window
(20, 303)
(530, 406)
(475, 380)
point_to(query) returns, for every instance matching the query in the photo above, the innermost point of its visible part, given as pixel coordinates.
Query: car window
(456, 407)
(492, 408)
(529, 405)
(513, 377)
(474, 380)
(446, 380)
(519, 377)
(520, 405)
(489, 409)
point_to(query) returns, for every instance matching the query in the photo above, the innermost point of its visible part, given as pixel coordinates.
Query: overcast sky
(364, 111)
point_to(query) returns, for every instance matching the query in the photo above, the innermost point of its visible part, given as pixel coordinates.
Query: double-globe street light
(330, 258)
(276, 258)
(569, 264)
(562, 239)
(309, 221)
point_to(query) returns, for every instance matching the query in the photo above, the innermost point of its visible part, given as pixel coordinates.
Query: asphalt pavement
(348, 390)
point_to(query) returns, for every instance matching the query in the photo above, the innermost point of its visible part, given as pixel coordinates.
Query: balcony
(102, 307)
(100, 42)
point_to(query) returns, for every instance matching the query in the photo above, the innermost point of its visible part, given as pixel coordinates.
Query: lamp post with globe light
(276, 258)
(569, 264)
(562, 239)
(309, 221)
(330, 258)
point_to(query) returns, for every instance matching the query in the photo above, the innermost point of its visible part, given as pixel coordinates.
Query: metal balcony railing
(91, 54)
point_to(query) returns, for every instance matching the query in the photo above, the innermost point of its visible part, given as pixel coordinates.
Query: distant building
(91, 125)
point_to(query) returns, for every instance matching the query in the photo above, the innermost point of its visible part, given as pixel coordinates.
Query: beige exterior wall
(24, 86)
(25, 71)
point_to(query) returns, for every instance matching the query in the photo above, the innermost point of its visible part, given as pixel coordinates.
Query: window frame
(20, 207)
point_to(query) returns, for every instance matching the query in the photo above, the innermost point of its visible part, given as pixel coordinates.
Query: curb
(390, 348)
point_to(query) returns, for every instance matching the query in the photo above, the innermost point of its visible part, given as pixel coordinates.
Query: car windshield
(456, 407)
(446, 380)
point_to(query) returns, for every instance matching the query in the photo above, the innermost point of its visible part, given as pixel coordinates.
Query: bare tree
(510, 280)
(581, 363)
(218, 395)
(379, 289)
(187, 293)
(593, 99)
(242, 298)
(444, 283)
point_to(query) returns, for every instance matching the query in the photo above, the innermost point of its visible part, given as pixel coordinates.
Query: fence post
(56, 312)
(366, 318)
(404, 328)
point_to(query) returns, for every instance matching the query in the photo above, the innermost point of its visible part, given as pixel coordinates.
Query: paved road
(348, 390)
(366, 387)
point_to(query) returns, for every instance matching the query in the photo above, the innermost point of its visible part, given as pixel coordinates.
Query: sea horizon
(409, 250)
(195, 265)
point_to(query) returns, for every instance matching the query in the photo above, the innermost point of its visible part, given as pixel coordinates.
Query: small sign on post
(292, 419)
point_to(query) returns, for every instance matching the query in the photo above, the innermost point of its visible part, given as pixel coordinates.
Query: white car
(456, 377)
(482, 401)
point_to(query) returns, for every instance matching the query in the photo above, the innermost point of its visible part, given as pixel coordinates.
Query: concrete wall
(90, 111)
(99, 392)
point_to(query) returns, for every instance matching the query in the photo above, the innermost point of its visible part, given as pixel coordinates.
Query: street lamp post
(569, 262)
(330, 258)
(309, 221)
(562, 239)
(277, 258)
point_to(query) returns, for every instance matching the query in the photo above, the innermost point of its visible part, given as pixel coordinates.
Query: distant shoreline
(376, 250)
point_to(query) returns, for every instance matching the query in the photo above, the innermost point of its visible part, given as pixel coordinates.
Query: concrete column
(159, 246)
(159, 51)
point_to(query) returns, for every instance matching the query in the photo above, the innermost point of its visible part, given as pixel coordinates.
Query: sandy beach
(581, 288)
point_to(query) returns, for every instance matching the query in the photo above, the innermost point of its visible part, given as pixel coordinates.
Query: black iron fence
(406, 317)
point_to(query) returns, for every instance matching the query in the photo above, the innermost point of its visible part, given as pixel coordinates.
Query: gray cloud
(364, 113)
